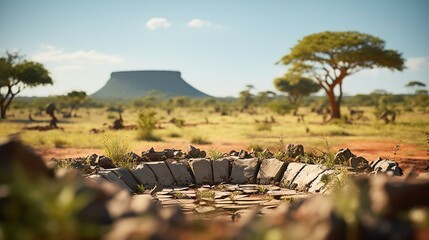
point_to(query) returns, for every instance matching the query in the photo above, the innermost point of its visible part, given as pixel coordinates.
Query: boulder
(271, 171)
(387, 167)
(180, 172)
(318, 184)
(295, 150)
(112, 177)
(244, 170)
(202, 169)
(162, 173)
(105, 162)
(144, 176)
(343, 156)
(291, 171)
(221, 171)
(306, 176)
(358, 163)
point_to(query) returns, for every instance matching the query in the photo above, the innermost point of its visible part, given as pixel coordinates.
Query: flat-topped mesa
(136, 84)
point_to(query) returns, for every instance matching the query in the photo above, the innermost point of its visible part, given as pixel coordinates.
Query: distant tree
(415, 85)
(296, 87)
(329, 57)
(246, 98)
(75, 99)
(16, 75)
(264, 97)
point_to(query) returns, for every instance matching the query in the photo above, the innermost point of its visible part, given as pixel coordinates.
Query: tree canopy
(329, 57)
(16, 75)
(296, 87)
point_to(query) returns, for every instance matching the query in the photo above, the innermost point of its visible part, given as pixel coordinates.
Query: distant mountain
(136, 84)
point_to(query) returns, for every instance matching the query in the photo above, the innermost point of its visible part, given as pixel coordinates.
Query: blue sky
(219, 46)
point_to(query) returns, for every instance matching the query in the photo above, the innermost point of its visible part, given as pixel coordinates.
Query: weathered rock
(125, 175)
(112, 177)
(295, 150)
(387, 167)
(194, 152)
(153, 156)
(271, 171)
(244, 170)
(180, 172)
(244, 154)
(319, 184)
(359, 163)
(162, 173)
(105, 162)
(221, 170)
(13, 155)
(144, 176)
(291, 171)
(390, 196)
(202, 169)
(343, 156)
(306, 176)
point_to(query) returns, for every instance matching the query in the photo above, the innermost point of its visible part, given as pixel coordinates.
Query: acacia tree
(329, 57)
(75, 99)
(15, 75)
(296, 87)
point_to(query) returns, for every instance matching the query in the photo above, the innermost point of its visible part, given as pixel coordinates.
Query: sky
(219, 46)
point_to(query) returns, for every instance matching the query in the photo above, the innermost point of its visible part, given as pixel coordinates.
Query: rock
(135, 158)
(306, 176)
(125, 175)
(295, 150)
(202, 169)
(180, 172)
(162, 173)
(144, 175)
(358, 163)
(391, 196)
(271, 170)
(343, 156)
(244, 170)
(105, 162)
(243, 154)
(112, 177)
(221, 171)
(193, 152)
(15, 156)
(318, 184)
(388, 167)
(153, 156)
(291, 171)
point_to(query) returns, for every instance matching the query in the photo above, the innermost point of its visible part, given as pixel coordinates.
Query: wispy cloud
(416, 63)
(50, 53)
(199, 23)
(155, 23)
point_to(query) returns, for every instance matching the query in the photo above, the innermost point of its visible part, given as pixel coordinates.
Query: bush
(117, 148)
(280, 107)
(60, 143)
(199, 140)
(146, 123)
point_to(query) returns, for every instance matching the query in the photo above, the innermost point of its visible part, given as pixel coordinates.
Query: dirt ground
(408, 156)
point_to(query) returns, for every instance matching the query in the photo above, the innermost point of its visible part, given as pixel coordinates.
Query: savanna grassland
(210, 129)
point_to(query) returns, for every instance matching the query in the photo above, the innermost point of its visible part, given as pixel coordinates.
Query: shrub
(117, 148)
(280, 107)
(146, 123)
(60, 143)
(200, 140)
(215, 154)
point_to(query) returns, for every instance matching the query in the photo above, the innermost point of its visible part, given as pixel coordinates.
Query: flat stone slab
(180, 172)
(221, 170)
(162, 173)
(202, 169)
(114, 178)
(125, 175)
(291, 171)
(244, 170)
(318, 185)
(306, 176)
(271, 170)
(144, 176)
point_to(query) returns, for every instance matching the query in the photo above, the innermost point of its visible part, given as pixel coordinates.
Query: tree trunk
(2, 112)
(334, 104)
